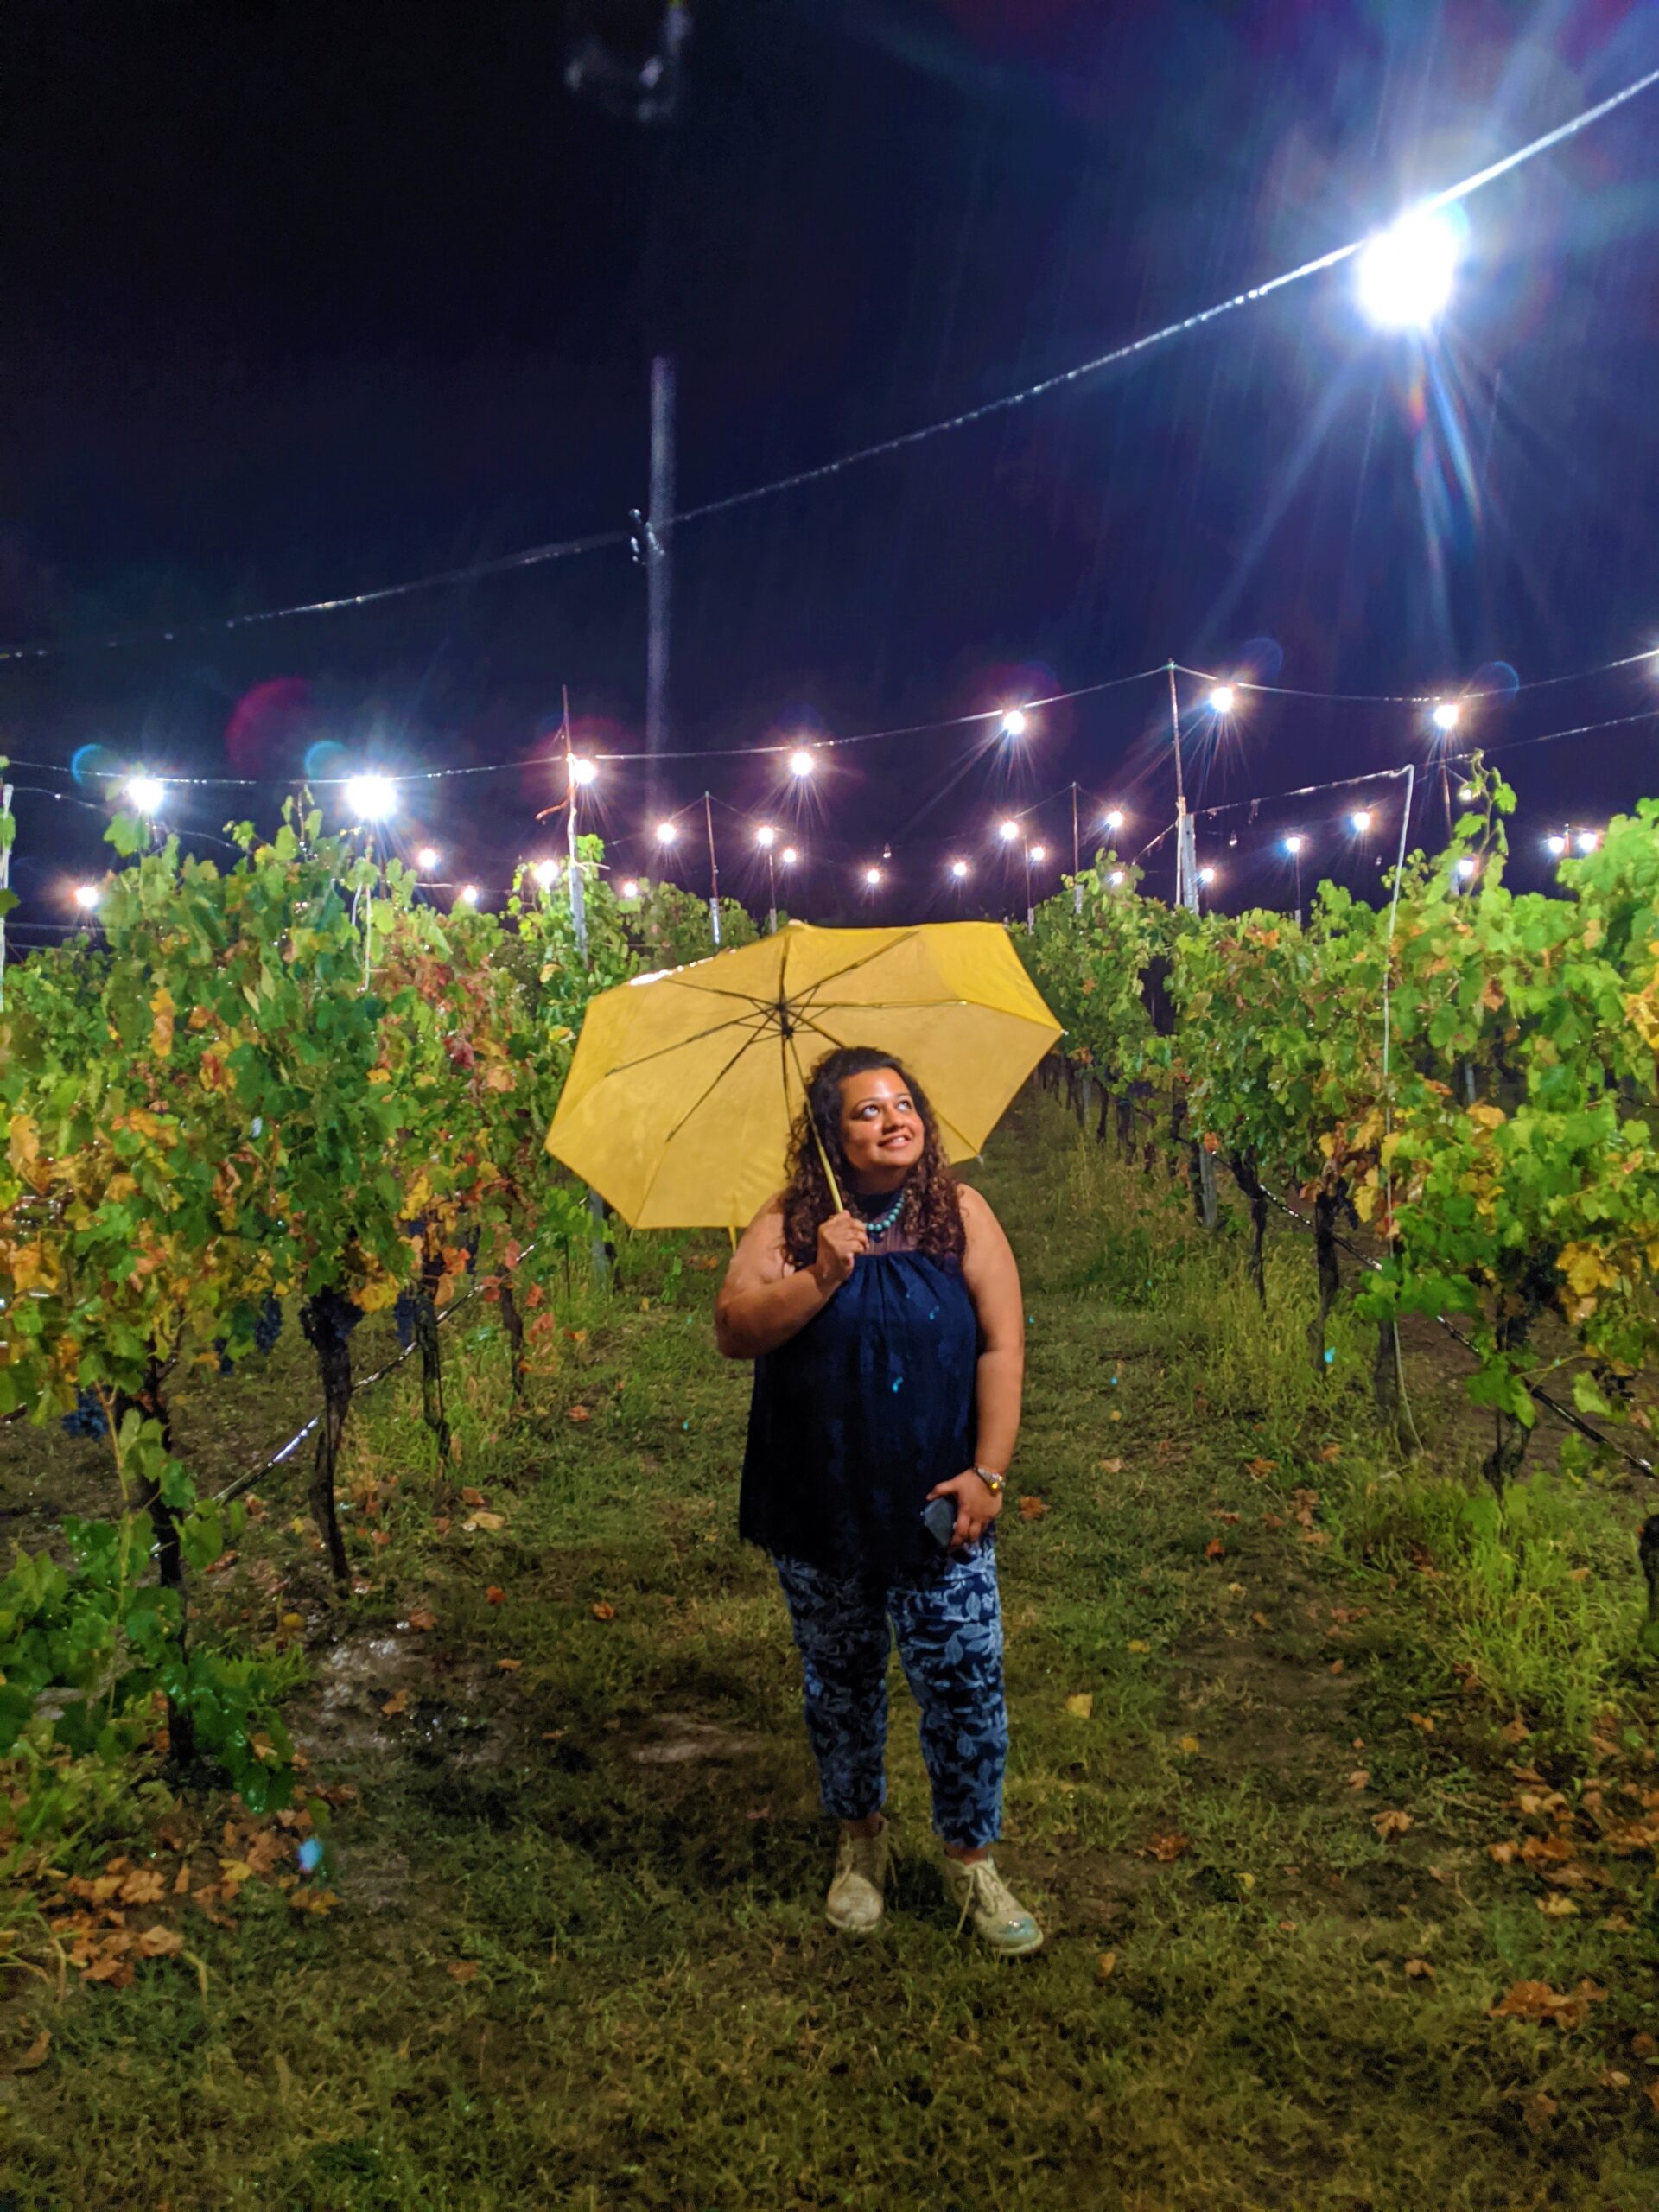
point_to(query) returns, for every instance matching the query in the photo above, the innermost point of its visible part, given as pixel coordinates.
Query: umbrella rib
(756, 1021)
(715, 1081)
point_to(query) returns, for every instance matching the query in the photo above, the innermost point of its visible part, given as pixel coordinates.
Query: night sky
(302, 299)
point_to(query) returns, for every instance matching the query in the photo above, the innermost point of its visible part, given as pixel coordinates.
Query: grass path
(1275, 1698)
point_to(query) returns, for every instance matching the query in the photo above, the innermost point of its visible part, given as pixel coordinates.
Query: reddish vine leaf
(1033, 1507)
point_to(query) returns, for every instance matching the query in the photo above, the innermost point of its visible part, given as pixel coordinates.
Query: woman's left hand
(977, 1506)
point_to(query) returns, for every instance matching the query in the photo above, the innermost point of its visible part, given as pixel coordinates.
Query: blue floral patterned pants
(949, 1625)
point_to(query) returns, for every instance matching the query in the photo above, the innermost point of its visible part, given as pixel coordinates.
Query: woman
(889, 1342)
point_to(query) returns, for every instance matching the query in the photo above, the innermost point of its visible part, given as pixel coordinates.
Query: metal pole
(714, 869)
(772, 896)
(1030, 914)
(6, 834)
(1297, 857)
(578, 890)
(658, 571)
(1076, 864)
(1187, 875)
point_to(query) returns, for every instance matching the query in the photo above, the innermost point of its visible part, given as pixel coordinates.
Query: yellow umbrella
(680, 1096)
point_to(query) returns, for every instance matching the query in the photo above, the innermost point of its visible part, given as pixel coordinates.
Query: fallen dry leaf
(461, 1969)
(1215, 1548)
(1536, 2000)
(159, 1943)
(1422, 1721)
(1261, 1620)
(1105, 1966)
(423, 1618)
(1538, 2111)
(472, 1497)
(1330, 1451)
(1359, 1779)
(1613, 2077)
(1391, 1823)
(509, 1666)
(27, 2061)
(397, 1703)
(1139, 1648)
(1031, 1508)
(577, 1413)
(1502, 1852)
(1262, 1468)
(603, 1612)
(1516, 1730)
(1167, 1848)
(1643, 2045)
(1111, 1467)
(1557, 1906)
(495, 1595)
(1416, 1969)
(1187, 1744)
(1081, 1706)
(488, 1522)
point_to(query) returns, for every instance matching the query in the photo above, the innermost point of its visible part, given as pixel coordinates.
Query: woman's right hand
(841, 1239)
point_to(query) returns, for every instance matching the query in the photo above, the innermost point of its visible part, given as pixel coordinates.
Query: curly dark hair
(932, 1216)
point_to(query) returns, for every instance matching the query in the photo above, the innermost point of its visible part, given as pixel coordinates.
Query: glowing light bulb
(582, 772)
(87, 896)
(789, 856)
(630, 889)
(1446, 716)
(1556, 843)
(765, 837)
(871, 877)
(1008, 831)
(371, 798)
(1014, 722)
(1206, 875)
(1466, 791)
(1114, 819)
(959, 869)
(1222, 699)
(469, 894)
(147, 793)
(1405, 273)
(1295, 842)
(1464, 869)
(1588, 839)
(1038, 854)
(667, 832)
(1361, 820)
(546, 873)
(1116, 878)
(801, 762)
(427, 859)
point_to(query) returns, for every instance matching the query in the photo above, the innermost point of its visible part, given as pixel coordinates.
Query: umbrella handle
(812, 1124)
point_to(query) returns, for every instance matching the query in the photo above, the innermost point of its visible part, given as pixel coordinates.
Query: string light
(1361, 820)
(1556, 843)
(959, 869)
(1040, 853)
(789, 856)
(147, 793)
(1008, 831)
(427, 859)
(1114, 819)
(1404, 274)
(1206, 876)
(1588, 840)
(87, 896)
(1116, 878)
(1222, 699)
(1465, 868)
(546, 873)
(667, 832)
(582, 772)
(801, 762)
(630, 889)
(1446, 716)
(469, 894)
(1014, 722)
(765, 837)
(371, 798)
(1466, 792)
(1294, 843)
(871, 877)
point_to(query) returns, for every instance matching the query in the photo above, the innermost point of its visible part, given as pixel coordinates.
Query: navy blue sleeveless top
(859, 1414)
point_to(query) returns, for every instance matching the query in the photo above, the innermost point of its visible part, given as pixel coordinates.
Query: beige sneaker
(999, 1920)
(855, 1903)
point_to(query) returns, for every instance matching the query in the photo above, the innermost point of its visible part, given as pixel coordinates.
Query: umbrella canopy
(679, 1102)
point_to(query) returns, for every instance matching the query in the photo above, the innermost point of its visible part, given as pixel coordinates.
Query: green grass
(619, 1841)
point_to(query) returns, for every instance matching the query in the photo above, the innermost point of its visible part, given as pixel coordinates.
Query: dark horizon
(303, 308)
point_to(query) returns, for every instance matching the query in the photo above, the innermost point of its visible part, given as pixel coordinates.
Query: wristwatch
(991, 1479)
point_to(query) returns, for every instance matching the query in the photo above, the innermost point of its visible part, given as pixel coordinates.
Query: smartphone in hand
(939, 1519)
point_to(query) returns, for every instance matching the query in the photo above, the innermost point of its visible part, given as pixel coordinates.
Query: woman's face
(880, 1128)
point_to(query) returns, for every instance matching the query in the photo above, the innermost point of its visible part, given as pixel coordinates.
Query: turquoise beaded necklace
(878, 1225)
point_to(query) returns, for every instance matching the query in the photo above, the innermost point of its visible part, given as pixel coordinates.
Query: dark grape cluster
(87, 1419)
(329, 1319)
(403, 1314)
(268, 1325)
